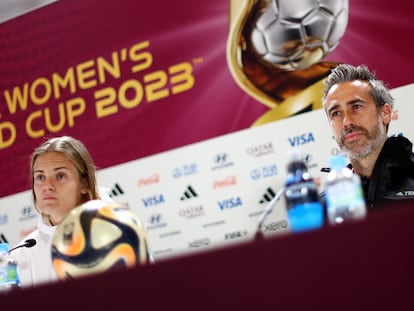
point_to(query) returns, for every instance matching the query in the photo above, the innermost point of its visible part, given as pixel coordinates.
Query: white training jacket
(35, 263)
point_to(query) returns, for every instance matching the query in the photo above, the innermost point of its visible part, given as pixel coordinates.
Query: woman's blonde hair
(76, 152)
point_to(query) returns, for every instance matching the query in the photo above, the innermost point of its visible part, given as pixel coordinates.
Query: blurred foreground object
(9, 270)
(344, 194)
(304, 209)
(98, 236)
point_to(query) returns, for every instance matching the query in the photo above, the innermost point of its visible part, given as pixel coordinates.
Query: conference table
(366, 265)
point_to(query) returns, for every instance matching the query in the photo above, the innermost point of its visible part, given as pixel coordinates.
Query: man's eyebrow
(351, 102)
(333, 107)
(355, 100)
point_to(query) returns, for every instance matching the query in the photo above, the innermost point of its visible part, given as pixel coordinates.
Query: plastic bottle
(304, 208)
(344, 196)
(9, 270)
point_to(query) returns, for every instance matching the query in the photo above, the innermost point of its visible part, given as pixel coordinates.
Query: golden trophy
(275, 48)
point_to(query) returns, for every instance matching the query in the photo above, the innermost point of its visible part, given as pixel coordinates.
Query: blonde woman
(63, 176)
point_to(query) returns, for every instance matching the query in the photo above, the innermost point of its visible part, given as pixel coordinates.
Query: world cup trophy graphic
(275, 51)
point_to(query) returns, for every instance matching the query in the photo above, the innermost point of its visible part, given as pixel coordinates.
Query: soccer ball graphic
(295, 34)
(98, 236)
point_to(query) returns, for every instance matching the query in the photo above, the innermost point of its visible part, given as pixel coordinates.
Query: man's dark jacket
(392, 178)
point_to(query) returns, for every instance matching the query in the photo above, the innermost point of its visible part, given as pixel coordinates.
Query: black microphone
(27, 243)
(263, 216)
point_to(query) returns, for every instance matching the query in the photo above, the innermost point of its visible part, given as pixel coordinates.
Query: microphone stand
(28, 243)
(267, 210)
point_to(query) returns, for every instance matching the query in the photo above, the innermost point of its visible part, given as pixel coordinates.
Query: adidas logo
(116, 190)
(3, 238)
(189, 193)
(267, 196)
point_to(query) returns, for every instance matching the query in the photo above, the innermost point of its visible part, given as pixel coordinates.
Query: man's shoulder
(397, 143)
(398, 138)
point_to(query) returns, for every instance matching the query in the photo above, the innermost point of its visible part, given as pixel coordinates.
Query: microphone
(28, 243)
(267, 210)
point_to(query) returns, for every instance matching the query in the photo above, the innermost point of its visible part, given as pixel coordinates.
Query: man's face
(357, 123)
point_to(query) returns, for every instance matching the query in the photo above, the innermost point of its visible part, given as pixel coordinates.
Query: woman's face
(57, 185)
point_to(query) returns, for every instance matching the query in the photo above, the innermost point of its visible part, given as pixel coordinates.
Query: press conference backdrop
(147, 86)
(211, 194)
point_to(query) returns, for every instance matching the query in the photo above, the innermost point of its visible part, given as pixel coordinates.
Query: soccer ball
(293, 35)
(98, 236)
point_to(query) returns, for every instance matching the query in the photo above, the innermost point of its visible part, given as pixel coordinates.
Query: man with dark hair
(359, 108)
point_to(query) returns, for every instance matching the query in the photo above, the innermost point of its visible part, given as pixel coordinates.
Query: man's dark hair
(347, 73)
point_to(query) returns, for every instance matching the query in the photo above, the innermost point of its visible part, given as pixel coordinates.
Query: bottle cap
(294, 155)
(4, 248)
(337, 162)
(296, 167)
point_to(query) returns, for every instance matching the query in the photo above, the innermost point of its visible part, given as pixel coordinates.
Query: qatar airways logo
(260, 150)
(223, 183)
(191, 211)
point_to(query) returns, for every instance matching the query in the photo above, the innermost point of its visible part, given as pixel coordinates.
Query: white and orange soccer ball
(98, 236)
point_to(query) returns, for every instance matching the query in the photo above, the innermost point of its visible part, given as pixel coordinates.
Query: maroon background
(69, 32)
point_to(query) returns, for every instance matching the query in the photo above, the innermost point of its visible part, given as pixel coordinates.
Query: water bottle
(344, 195)
(9, 270)
(303, 205)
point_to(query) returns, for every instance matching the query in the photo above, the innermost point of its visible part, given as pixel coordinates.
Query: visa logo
(153, 200)
(301, 139)
(230, 203)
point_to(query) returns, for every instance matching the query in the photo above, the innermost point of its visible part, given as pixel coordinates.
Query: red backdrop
(188, 93)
